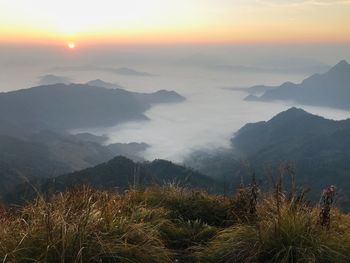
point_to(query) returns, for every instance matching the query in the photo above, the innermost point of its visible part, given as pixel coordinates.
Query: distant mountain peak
(296, 116)
(295, 110)
(291, 113)
(103, 84)
(287, 83)
(340, 66)
(50, 79)
(329, 89)
(343, 63)
(97, 81)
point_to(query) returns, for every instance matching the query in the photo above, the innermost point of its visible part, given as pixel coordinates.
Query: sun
(71, 45)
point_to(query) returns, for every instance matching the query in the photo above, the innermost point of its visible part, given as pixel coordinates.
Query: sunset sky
(175, 21)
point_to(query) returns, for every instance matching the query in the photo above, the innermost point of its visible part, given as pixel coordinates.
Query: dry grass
(282, 232)
(170, 224)
(82, 226)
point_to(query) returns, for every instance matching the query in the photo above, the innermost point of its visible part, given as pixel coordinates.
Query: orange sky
(174, 21)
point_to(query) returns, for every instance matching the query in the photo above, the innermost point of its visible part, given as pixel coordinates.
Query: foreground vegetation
(170, 224)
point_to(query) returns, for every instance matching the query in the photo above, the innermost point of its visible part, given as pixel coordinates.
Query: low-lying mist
(210, 115)
(206, 120)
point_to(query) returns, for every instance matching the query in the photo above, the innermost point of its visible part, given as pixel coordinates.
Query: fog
(210, 115)
(208, 119)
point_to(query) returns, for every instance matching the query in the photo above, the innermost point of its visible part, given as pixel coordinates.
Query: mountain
(103, 84)
(48, 154)
(331, 89)
(294, 127)
(63, 107)
(160, 96)
(130, 150)
(53, 79)
(34, 142)
(8, 127)
(118, 173)
(318, 148)
(71, 150)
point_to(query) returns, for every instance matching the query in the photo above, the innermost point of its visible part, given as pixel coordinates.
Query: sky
(174, 21)
(198, 48)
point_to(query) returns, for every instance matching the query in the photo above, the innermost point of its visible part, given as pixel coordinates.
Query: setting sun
(71, 45)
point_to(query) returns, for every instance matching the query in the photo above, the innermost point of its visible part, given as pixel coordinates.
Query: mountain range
(330, 89)
(160, 96)
(317, 148)
(120, 173)
(63, 107)
(48, 154)
(317, 151)
(34, 128)
(36, 146)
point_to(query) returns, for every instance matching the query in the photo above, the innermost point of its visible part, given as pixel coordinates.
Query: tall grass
(283, 232)
(81, 226)
(170, 224)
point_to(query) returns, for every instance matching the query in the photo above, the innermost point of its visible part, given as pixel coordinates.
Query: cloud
(53, 79)
(119, 71)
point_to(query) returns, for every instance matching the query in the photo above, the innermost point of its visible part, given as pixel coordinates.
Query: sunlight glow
(71, 45)
(162, 21)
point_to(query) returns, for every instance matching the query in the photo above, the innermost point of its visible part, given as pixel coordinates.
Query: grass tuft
(171, 224)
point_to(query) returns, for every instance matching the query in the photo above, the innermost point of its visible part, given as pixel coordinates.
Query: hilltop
(318, 149)
(118, 174)
(330, 89)
(63, 107)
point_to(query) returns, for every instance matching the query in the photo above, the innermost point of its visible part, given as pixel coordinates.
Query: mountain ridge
(330, 89)
(62, 107)
(119, 173)
(318, 149)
